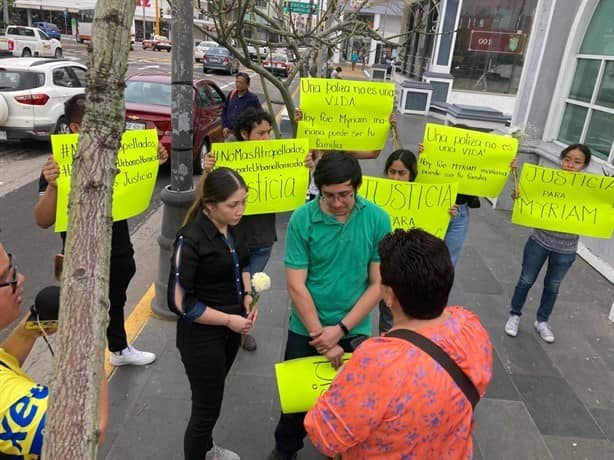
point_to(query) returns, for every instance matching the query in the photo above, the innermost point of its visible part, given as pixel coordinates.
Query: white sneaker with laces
(511, 327)
(219, 453)
(544, 331)
(130, 356)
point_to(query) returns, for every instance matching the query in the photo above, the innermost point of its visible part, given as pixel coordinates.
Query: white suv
(32, 96)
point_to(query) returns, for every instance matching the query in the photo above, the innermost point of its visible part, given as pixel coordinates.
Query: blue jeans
(533, 260)
(290, 431)
(457, 232)
(258, 258)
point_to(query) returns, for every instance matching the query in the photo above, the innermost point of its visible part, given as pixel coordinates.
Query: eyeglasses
(12, 265)
(331, 197)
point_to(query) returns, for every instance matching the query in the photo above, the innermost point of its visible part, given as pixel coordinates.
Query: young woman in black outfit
(209, 289)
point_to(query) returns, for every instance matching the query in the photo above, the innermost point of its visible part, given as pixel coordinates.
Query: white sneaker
(511, 327)
(130, 356)
(544, 331)
(219, 453)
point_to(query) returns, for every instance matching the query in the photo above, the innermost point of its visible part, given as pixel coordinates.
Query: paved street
(545, 401)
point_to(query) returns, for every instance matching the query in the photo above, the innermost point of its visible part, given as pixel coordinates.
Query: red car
(279, 64)
(157, 43)
(148, 105)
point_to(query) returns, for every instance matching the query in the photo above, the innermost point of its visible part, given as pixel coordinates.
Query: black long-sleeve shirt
(206, 269)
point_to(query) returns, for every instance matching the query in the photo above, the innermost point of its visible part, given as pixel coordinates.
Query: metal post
(179, 195)
(144, 23)
(5, 12)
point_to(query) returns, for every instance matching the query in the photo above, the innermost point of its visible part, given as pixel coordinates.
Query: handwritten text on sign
(301, 381)
(273, 170)
(137, 162)
(412, 205)
(479, 162)
(564, 201)
(345, 115)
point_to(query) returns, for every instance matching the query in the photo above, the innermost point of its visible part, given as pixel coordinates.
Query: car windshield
(146, 92)
(219, 51)
(279, 57)
(16, 80)
(207, 44)
(44, 36)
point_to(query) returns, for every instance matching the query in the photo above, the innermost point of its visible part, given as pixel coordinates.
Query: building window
(490, 44)
(588, 113)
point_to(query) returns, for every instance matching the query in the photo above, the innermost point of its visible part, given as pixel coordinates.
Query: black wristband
(343, 327)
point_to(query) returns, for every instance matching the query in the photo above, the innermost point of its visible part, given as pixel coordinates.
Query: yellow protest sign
(137, 161)
(274, 171)
(479, 162)
(412, 205)
(301, 381)
(564, 201)
(344, 114)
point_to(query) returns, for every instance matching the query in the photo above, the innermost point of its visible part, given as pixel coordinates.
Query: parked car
(49, 28)
(29, 41)
(157, 43)
(148, 105)
(219, 58)
(279, 64)
(32, 96)
(253, 53)
(201, 49)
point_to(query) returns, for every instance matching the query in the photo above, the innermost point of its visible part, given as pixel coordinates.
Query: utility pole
(179, 195)
(5, 12)
(157, 23)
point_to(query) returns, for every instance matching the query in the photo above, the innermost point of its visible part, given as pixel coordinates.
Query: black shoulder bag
(439, 355)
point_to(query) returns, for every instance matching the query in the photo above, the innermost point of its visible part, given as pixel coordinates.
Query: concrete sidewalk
(546, 401)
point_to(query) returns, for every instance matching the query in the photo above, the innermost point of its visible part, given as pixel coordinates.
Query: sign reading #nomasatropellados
(273, 170)
(412, 205)
(137, 164)
(564, 201)
(479, 162)
(345, 114)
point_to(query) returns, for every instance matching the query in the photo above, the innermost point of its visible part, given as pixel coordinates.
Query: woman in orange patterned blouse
(392, 400)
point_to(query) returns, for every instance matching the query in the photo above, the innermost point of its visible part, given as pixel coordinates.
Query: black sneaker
(277, 455)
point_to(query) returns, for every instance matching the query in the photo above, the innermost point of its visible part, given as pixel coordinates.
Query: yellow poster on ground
(479, 162)
(564, 201)
(274, 171)
(137, 162)
(412, 205)
(344, 114)
(301, 381)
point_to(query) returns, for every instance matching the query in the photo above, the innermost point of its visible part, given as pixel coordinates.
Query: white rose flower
(260, 282)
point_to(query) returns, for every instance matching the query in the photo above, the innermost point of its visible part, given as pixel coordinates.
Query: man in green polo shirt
(332, 272)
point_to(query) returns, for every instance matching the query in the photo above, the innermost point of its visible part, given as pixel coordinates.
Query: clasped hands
(326, 342)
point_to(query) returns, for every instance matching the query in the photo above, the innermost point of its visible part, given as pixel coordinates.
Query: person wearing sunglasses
(23, 402)
(332, 273)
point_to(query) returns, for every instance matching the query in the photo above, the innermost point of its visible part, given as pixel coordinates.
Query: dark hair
(217, 186)
(406, 157)
(338, 69)
(337, 167)
(418, 268)
(586, 151)
(249, 119)
(245, 76)
(74, 109)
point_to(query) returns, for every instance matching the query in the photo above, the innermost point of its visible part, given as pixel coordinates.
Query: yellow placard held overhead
(301, 381)
(344, 114)
(479, 162)
(565, 201)
(412, 205)
(274, 171)
(137, 161)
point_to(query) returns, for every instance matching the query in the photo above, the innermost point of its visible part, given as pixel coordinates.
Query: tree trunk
(72, 418)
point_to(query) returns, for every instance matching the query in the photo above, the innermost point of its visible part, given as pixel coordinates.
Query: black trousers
(123, 269)
(207, 353)
(290, 431)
